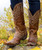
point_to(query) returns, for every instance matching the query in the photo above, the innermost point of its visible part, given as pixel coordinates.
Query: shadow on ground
(22, 48)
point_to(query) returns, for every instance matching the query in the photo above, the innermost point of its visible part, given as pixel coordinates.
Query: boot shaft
(19, 17)
(34, 20)
(19, 21)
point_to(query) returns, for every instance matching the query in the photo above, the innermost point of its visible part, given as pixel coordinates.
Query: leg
(14, 2)
(34, 5)
(21, 33)
(34, 13)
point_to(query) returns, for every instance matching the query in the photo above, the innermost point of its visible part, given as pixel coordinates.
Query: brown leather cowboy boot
(21, 33)
(33, 27)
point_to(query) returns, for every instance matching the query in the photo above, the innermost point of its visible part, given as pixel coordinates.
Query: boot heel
(24, 37)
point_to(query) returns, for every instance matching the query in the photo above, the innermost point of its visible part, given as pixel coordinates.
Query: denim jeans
(34, 5)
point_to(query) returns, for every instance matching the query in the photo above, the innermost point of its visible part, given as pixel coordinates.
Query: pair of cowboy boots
(21, 33)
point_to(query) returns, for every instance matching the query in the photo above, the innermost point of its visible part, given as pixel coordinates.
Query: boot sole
(24, 38)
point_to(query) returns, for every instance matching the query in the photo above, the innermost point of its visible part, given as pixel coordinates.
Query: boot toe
(8, 43)
(31, 44)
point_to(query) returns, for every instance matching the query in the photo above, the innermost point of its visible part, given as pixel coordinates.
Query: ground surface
(23, 48)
